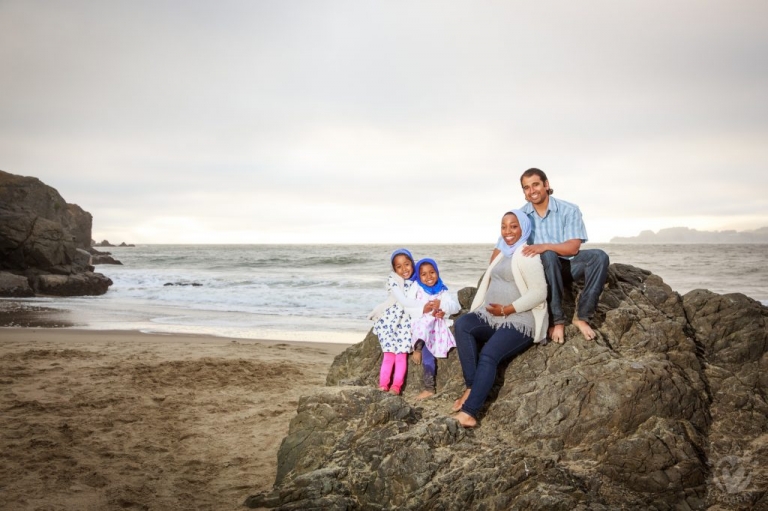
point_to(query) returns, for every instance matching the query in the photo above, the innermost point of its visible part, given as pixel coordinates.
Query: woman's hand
(500, 310)
(495, 309)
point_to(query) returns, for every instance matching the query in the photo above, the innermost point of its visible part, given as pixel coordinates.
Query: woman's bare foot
(460, 402)
(466, 420)
(586, 330)
(424, 394)
(557, 333)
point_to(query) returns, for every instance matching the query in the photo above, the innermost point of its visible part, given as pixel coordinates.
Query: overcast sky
(386, 121)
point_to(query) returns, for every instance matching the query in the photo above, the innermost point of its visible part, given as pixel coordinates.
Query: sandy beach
(99, 420)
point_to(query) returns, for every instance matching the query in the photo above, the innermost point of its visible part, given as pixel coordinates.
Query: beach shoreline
(117, 419)
(153, 319)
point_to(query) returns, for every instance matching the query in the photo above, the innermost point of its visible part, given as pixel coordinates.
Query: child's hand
(431, 306)
(416, 357)
(439, 314)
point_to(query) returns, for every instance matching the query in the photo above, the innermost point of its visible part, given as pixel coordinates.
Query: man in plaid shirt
(557, 234)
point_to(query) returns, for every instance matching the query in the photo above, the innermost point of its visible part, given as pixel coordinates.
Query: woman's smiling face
(510, 229)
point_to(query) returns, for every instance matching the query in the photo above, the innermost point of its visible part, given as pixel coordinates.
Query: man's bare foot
(460, 402)
(394, 391)
(424, 394)
(466, 420)
(557, 333)
(586, 330)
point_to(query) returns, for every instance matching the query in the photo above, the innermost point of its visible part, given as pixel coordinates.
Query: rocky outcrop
(42, 236)
(666, 409)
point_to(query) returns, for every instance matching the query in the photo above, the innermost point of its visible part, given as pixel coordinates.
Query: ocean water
(324, 292)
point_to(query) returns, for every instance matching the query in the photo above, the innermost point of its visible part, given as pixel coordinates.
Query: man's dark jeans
(591, 266)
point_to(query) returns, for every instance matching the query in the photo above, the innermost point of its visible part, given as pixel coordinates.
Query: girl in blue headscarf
(432, 336)
(393, 324)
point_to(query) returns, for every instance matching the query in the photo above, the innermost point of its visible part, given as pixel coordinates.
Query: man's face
(535, 190)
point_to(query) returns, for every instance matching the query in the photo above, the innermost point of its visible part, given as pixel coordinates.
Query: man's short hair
(533, 171)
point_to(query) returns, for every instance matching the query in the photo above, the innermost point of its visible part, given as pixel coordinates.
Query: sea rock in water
(41, 235)
(666, 409)
(105, 259)
(102, 257)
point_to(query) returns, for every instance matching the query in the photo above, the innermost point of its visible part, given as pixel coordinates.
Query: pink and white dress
(436, 333)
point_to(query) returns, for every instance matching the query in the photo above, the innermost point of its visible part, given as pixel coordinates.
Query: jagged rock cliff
(45, 240)
(665, 410)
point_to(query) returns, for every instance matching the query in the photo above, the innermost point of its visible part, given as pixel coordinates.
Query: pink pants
(398, 362)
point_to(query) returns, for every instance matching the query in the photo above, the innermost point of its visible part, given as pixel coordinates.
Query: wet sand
(102, 420)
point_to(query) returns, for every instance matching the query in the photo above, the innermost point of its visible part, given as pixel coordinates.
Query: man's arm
(565, 249)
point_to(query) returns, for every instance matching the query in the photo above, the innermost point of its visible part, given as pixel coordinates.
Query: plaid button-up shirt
(561, 223)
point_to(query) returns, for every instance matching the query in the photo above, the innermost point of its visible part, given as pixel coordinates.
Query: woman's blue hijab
(525, 227)
(438, 286)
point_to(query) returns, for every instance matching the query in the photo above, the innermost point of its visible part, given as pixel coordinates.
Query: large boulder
(79, 284)
(630, 420)
(42, 236)
(15, 286)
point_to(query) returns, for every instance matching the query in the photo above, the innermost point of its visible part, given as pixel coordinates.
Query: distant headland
(688, 235)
